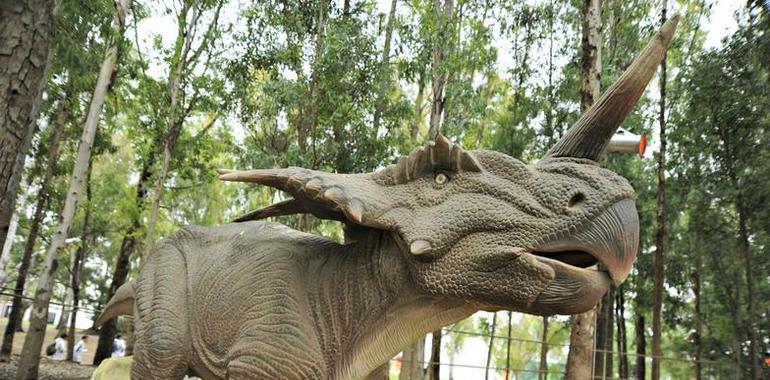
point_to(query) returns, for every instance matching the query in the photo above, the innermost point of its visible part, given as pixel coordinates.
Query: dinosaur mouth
(610, 240)
(575, 258)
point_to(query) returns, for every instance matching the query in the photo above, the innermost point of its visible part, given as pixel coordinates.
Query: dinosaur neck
(367, 307)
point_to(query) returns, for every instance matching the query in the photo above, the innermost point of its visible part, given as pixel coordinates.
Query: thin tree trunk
(25, 39)
(127, 248)
(30, 355)
(580, 356)
(661, 233)
(379, 105)
(77, 263)
(66, 306)
(622, 339)
(604, 334)
(434, 367)
(309, 118)
(413, 357)
(640, 368)
(179, 63)
(443, 15)
(508, 347)
(543, 368)
(14, 319)
(491, 341)
(696, 289)
(6, 255)
(745, 252)
(418, 106)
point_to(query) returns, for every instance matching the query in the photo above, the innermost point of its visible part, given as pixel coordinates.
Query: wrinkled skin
(429, 240)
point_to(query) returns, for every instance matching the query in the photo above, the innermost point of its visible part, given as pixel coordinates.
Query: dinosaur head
(544, 238)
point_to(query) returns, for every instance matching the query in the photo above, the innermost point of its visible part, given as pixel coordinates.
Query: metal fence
(672, 367)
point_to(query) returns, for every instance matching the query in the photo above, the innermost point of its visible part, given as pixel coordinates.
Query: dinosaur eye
(440, 178)
(576, 200)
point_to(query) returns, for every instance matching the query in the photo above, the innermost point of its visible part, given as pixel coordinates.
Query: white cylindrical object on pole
(624, 141)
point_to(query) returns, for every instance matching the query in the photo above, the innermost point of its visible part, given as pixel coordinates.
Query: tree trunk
(508, 347)
(622, 340)
(543, 368)
(745, 252)
(640, 368)
(418, 106)
(122, 265)
(580, 355)
(77, 263)
(444, 16)
(30, 355)
(491, 341)
(25, 39)
(696, 289)
(604, 334)
(661, 234)
(14, 319)
(413, 358)
(308, 119)
(66, 306)
(434, 367)
(6, 255)
(382, 92)
(175, 121)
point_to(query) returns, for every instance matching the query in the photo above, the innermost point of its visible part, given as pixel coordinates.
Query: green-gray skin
(429, 241)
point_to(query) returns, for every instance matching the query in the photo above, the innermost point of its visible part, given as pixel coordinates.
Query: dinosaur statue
(430, 240)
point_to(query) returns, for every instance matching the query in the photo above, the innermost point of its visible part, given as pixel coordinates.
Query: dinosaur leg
(162, 341)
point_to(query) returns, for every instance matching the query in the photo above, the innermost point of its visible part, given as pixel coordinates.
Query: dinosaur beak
(611, 240)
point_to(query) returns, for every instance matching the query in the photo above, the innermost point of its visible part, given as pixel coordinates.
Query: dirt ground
(50, 369)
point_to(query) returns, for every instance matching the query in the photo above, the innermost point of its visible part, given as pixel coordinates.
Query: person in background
(60, 344)
(80, 348)
(118, 347)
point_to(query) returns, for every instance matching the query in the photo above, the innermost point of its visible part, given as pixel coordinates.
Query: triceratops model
(441, 234)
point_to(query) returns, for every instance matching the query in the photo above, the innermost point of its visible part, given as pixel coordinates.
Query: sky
(719, 24)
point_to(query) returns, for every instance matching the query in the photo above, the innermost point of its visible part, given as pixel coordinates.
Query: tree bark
(25, 40)
(640, 367)
(491, 342)
(696, 289)
(379, 105)
(434, 367)
(30, 355)
(604, 334)
(77, 263)
(66, 306)
(308, 119)
(444, 15)
(14, 319)
(413, 357)
(580, 355)
(543, 368)
(622, 339)
(661, 233)
(6, 255)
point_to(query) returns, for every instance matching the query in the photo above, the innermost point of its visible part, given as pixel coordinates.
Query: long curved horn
(593, 131)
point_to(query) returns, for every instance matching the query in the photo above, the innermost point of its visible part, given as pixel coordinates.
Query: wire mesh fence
(554, 367)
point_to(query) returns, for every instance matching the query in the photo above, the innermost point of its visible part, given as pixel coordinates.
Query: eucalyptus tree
(26, 29)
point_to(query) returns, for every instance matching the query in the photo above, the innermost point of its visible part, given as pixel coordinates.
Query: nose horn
(590, 135)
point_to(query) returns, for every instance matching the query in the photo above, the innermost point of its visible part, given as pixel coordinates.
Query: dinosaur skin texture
(430, 240)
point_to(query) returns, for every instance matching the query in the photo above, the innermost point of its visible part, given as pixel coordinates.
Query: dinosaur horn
(593, 131)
